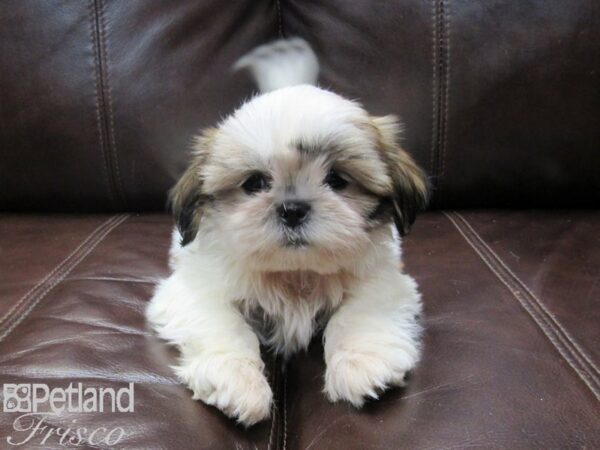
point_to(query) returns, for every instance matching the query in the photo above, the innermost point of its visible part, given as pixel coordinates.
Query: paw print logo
(17, 398)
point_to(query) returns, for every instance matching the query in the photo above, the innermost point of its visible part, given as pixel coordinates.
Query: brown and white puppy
(289, 221)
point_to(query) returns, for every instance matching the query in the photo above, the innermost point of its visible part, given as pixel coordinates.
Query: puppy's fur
(243, 273)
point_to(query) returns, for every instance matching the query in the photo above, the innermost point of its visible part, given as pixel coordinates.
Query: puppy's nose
(293, 213)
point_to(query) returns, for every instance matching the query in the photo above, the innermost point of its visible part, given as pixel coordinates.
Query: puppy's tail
(285, 62)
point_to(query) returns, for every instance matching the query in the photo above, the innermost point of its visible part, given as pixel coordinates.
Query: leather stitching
(446, 24)
(98, 99)
(109, 106)
(434, 89)
(550, 331)
(279, 19)
(551, 318)
(440, 88)
(275, 373)
(53, 271)
(152, 281)
(104, 106)
(284, 445)
(496, 265)
(31, 299)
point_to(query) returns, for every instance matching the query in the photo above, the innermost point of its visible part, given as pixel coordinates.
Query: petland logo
(42, 422)
(30, 398)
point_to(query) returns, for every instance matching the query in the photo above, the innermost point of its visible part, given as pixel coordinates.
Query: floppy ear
(186, 199)
(410, 184)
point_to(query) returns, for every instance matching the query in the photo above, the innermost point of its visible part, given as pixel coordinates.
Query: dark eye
(335, 181)
(255, 183)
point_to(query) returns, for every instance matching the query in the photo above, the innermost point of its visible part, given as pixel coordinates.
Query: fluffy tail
(285, 62)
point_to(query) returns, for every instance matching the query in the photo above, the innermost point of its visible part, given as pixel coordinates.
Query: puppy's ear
(410, 184)
(186, 199)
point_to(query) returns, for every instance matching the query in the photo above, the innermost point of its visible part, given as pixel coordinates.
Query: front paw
(237, 386)
(356, 374)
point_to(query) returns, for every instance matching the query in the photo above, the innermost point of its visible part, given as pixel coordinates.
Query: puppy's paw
(237, 386)
(356, 374)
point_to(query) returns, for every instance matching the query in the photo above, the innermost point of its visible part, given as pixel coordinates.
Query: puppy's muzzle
(293, 213)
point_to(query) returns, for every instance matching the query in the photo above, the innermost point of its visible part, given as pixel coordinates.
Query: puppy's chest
(288, 298)
(298, 287)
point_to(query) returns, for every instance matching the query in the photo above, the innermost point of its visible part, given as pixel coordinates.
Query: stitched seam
(109, 106)
(67, 269)
(550, 318)
(440, 87)
(105, 113)
(53, 271)
(434, 90)
(116, 279)
(273, 407)
(279, 19)
(516, 289)
(441, 93)
(446, 94)
(440, 82)
(527, 306)
(284, 446)
(98, 100)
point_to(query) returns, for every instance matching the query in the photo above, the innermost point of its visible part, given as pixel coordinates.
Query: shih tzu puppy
(289, 220)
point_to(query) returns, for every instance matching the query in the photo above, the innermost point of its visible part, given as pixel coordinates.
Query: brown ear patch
(411, 186)
(186, 199)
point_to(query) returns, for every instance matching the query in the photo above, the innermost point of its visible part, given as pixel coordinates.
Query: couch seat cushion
(511, 342)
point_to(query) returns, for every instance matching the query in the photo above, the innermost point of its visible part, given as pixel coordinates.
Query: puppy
(289, 220)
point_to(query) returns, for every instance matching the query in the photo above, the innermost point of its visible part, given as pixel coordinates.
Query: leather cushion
(99, 99)
(497, 371)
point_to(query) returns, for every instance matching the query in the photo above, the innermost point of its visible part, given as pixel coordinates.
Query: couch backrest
(99, 99)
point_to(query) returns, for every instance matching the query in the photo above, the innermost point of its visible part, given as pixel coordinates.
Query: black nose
(293, 213)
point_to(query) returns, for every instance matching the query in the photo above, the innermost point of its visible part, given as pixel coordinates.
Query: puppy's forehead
(290, 128)
(297, 118)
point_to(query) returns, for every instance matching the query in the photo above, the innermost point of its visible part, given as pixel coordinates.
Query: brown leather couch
(501, 102)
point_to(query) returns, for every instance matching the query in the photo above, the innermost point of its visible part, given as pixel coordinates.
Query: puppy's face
(298, 179)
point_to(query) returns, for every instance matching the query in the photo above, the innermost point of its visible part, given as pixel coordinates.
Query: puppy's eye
(335, 181)
(255, 183)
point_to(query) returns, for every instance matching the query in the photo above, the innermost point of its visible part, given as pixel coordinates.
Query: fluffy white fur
(236, 284)
(280, 64)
